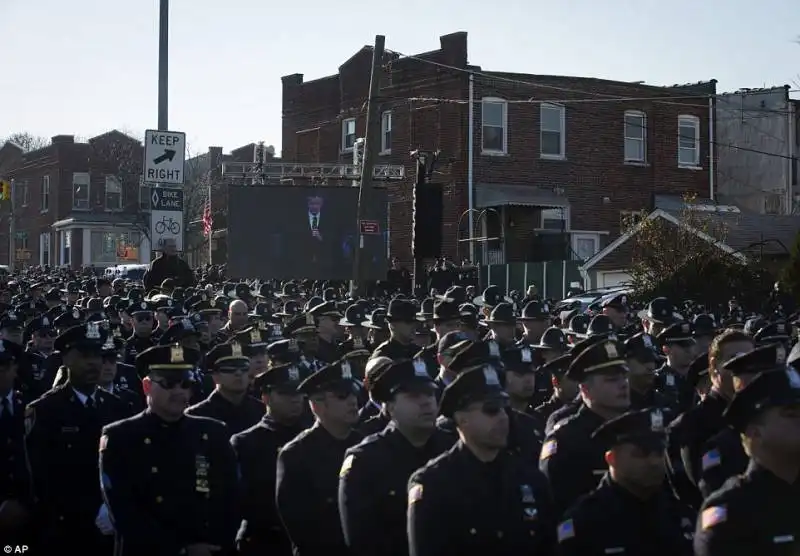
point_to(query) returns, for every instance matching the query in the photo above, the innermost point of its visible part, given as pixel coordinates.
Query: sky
(83, 67)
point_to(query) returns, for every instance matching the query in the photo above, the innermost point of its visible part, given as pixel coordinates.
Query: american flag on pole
(208, 221)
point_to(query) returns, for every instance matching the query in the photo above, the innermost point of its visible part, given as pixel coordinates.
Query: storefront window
(115, 247)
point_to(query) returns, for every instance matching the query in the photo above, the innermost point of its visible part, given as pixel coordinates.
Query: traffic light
(5, 191)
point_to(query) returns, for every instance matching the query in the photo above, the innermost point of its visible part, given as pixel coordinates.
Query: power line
(610, 97)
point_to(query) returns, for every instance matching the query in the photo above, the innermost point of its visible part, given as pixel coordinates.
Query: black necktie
(314, 221)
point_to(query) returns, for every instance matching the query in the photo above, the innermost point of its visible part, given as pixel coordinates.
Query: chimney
(63, 139)
(454, 47)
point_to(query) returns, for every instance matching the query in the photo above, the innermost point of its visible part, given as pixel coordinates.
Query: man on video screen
(321, 235)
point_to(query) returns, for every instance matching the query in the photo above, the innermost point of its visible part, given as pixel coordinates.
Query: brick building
(204, 170)
(76, 203)
(551, 156)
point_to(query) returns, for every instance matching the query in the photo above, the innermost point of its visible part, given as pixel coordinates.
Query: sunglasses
(172, 383)
(143, 317)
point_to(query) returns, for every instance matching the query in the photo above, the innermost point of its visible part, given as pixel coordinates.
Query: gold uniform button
(159, 499)
(69, 446)
(154, 470)
(499, 534)
(61, 518)
(472, 531)
(147, 441)
(391, 493)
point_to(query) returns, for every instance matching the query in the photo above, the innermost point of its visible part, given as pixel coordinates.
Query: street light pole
(163, 64)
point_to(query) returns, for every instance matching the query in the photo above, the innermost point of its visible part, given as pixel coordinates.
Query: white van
(126, 271)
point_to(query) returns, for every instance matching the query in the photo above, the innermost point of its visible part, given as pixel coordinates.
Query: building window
(688, 141)
(114, 247)
(45, 194)
(552, 130)
(386, 132)
(80, 190)
(554, 219)
(44, 249)
(113, 193)
(635, 136)
(494, 126)
(585, 246)
(22, 241)
(144, 197)
(26, 194)
(348, 134)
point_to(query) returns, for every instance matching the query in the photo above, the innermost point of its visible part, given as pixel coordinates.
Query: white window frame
(115, 182)
(685, 120)
(44, 202)
(66, 247)
(484, 125)
(595, 238)
(26, 194)
(641, 137)
(386, 132)
(88, 184)
(345, 124)
(562, 132)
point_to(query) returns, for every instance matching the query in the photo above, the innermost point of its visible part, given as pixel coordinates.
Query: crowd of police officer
(223, 419)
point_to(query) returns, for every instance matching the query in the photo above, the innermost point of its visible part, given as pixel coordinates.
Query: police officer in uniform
(16, 501)
(723, 454)
(564, 389)
(110, 381)
(755, 513)
(630, 512)
(327, 318)
(308, 467)
(571, 459)
(402, 318)
(169, 480)
(143, 326)
(230, 401)
(479, 497)
(687, 434)
(374, 476)
(257, 449)
(677, 342)
(63, 430)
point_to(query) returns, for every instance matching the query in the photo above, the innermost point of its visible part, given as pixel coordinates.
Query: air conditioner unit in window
(773, 203)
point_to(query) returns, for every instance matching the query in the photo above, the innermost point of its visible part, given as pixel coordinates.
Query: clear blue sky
(86, 66)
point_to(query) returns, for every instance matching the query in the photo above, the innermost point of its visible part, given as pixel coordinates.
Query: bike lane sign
(166, 217)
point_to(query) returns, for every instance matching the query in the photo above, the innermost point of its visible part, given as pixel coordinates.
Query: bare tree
(28, 142)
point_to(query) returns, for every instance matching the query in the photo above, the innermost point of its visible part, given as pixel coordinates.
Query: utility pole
(372, 149)
(163, 65)
(12, 228)
(423, 215)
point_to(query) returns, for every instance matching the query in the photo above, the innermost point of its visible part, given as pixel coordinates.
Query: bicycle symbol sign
(166, 226)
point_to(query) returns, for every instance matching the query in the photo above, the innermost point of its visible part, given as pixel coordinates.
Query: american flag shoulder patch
(712, 516)
(548, 449)
(566, 530)
(415, 494)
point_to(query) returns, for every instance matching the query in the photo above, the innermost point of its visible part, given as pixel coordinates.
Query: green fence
(551, 278)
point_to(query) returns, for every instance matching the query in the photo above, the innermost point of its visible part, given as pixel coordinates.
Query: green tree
(686, 260)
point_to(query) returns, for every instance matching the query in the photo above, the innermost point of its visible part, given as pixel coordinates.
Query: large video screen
(290, 231)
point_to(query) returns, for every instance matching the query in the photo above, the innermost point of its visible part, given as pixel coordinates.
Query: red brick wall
(593, 169)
